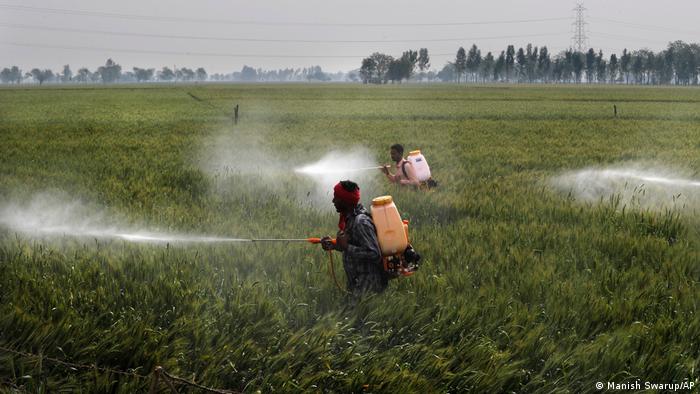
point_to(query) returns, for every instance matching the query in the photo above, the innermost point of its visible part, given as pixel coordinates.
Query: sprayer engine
(402, 264)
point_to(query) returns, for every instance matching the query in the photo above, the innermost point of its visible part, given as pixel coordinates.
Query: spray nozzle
(318, 240)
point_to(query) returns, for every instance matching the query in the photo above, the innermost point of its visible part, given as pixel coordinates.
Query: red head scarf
(350, 198)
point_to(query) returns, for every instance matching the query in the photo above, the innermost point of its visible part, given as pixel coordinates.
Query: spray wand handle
(318, 240)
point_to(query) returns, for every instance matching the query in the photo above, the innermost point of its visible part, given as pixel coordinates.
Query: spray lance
(309, 240)
(312, 240)
(316, 170)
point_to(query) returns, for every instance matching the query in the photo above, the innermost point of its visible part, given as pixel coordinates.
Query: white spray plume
(48, 216)
(243, 153)
(356, 164)
(649, 187)
(240, 154)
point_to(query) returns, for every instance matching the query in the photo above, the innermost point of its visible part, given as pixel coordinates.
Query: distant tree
(510, 62)
(522, 64)
(683, 62)
(666, 67)
(128, 77)
(460, 63)
(558, 69)
(143, 75)
(590, 65)
(487, 66)
(649, 60)
(184, 74)
(110, 72)
(95, 77)
(448, 73)
(353, 76)
(637, 67)
(166, 74)
(500, 67)
(530, 63)
(403, 67)
(544, 65)
(578, 61)
(473, 61)
(83, 75)
(6, 75)
(382, 62)
(567, 66)
(409, 59)
(67, 74)
(531, 69)
(613, 67)
(368, 71)
(625, 60)
(423, 60)
(249, 74)
(201, 74)
(17, 73)
(315, 73)
(601, 68)
(395, 73)
(41, 75)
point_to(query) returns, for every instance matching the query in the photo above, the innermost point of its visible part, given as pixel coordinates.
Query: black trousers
(367, 279)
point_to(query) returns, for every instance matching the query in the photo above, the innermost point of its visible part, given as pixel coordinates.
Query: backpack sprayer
(398, 256)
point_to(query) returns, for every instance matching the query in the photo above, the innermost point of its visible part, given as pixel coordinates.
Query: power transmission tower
(579, 40)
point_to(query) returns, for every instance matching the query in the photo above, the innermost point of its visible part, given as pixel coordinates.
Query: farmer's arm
(391, 177)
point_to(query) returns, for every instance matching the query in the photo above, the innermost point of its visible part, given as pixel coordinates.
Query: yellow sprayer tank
(391, 230)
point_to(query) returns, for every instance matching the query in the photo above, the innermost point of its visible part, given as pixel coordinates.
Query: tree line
(112, 72)
(678, 64)
(382, 68)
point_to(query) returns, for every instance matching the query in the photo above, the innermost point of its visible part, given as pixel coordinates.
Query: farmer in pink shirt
(405, 173)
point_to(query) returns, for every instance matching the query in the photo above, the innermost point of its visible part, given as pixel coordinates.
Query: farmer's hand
(341, 241)
(385, 169)
(327, 243)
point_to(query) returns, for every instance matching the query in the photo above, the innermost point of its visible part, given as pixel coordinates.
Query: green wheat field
(523, 287)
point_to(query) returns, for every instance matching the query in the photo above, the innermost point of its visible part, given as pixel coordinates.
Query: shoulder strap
(403, 168)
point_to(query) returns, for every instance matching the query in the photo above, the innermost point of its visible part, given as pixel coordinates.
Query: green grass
(522, 289)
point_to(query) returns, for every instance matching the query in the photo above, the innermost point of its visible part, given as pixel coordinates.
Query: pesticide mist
(244, 159)
(645, 187)
(357, 165)
(46, 216)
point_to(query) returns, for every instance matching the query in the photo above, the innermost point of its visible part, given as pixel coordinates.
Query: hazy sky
(222, 36)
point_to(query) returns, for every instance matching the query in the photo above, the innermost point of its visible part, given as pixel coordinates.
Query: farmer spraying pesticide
(357, 240)
(375, 246)
(405, 173)
(413, 171)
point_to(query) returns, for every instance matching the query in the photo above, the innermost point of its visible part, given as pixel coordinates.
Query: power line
(645, 27)
(161, 52)
(212, 38)
(202, 54)
(627, 38)
(63, 11)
